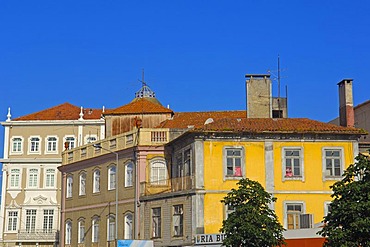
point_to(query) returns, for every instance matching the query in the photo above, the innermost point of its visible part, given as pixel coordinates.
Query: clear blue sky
(195, 53)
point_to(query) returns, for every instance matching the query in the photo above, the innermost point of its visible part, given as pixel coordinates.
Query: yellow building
(294, 159)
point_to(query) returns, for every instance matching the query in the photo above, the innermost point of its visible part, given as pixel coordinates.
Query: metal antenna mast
(278, 76)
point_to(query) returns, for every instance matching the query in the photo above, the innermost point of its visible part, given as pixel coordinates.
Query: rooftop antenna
(142, 78)
(278, 76)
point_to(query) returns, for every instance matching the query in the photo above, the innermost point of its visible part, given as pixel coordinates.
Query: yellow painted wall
(313, 191)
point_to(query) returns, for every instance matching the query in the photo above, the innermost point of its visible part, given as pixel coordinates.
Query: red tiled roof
(139, 106)
(183, 120)
(277, 125)
(64, 111)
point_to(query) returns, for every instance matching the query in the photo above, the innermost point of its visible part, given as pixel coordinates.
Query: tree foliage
(252, 223)
(348, 221)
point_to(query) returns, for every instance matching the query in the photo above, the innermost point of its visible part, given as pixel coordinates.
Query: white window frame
(33, 178)
(69, 190)
(12, 221)
(81, 231)
(156, 220)
(15, 178)
(48, 223)
(51, 146)
(158, 172)
(90, 138)
(95, 230)
(285, 210)
(178, 220)
(17, 144)
(242, 161)
(68, 233)
(327, 207)
(341, 159)
(30, 222)
(37, 145)
(228, 211)
(96, 181)
(128, 221)
(112, 177)
(111, 225)
(129, 174)
(72, 144)
(82, 184)
(292, 176)
(49, 178)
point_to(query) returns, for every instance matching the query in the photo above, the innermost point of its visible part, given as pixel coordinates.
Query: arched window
(128, 226)
(69, 186)
(95, 229)
(158, 172)
(82, 184)
(81, 231)
(129, 171)
(33, 178)
(96, 181)
(112, 178)
(68, 236)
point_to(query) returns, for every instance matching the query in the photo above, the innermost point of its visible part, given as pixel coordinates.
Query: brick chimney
(346, 112)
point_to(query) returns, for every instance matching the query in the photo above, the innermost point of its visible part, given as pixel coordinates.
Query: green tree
(348, 221)
(252, 223)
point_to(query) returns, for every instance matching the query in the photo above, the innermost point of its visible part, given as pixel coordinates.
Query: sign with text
(202, 239)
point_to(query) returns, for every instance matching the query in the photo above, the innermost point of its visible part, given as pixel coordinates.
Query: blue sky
(195, 53)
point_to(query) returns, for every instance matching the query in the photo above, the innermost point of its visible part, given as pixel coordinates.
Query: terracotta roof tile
(64, 111)
(139, 106)
(183, 120)
(280, 125)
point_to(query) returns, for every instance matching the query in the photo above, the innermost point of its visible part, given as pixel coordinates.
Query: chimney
(346, 112)
(259, 96)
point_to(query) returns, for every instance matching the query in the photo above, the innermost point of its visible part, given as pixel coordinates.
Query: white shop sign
(202, 239)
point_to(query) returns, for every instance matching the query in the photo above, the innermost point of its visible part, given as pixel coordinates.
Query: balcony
(39, 235)
(146, 136)
(166, 186)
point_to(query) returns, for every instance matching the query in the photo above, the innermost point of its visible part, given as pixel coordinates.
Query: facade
(31, 184)
(294, 159)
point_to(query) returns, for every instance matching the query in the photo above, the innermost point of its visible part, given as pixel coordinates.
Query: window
(14, 178)
(81, 231)
(68, 236)
(234, 157)
(50, 178)
(112, 178)
(295, 217)
(95, 230)
(33, 178)
(30, 220)
(158, 172)
(292, 163)
(51, 144)
(71, 142)
(129, 168)
(333, 163)
(228, 211)
(111, 228)
(17, 145)
(90, 139)
(82, 184)
(156, 222)
(327, 208)
(12, 221)
(183, 163)
(96, 181)
(35, 145)
(128, 226)
(48, 220)
(178, 220)
(69, 186)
